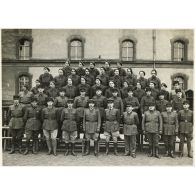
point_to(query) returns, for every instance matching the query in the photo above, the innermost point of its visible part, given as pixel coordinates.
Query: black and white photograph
(97, 97)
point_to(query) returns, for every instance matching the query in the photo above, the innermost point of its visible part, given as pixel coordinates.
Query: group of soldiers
(93, 102)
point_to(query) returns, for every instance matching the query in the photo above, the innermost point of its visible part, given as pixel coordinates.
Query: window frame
(185, 79)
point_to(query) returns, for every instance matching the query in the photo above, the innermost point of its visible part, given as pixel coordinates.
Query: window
(182, 78)
(23, 80)
(75, 47)
(181, 81)
(76, 50)
(179, 49)
(127, 45)
(24, 48)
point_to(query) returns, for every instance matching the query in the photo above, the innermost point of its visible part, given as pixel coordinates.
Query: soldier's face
(110, 105)
(24, 88)
(163, 88)
(130, 93)
(50, 103)
(186, 106)
(70, 105)
(129, 71)
(151, 85)
(82, 80)
(91, 105)
(106, 64)
(116, 72)
(62, 93)
(177, 86)
(34, 104)
(98, 92)
(161, 97)
(138, 86)
(16, 102)
(97, 81)
(151, 108)
(141, 74)
(111, 84)
(91, 65)
(102, 71)
(125, 84)
(114, 94)
(169, 109)
(45, 70)
(60, 72)
(52, 85)
(153, 74)
(70, 81)
(148, 93)
(73, 72)
(82, 93)
(80, 64)
(179, 94)
(129, 109)
(66, 63)
(87, 72)
(37, 83)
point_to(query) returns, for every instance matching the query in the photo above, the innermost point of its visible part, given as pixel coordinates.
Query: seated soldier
(177, 102)
(52, 90)
(161, 103)
(34, 90)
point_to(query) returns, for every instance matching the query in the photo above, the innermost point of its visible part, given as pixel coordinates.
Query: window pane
(178, 53)
(76, 50)
(127, 51)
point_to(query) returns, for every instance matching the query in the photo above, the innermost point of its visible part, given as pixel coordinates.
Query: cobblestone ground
(41, 159)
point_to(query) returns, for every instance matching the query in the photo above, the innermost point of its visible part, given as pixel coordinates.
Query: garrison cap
(16, 97)
(110, 100)
(46, 68)
(70, 101)
(148, 89)
(91, 101)
(186, 102)
(49, 99)
(169, 104)
(129, 105)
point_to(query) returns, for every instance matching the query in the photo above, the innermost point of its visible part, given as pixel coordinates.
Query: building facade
(26, 51)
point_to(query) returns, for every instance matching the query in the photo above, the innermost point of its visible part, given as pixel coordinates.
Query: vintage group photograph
(97, 97)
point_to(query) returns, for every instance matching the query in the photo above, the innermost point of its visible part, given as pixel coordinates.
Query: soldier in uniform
(93, 71)
(161, 103)
(152, 126)
(109, 71)
(177, 102)
(69, 127)
(75, 78)
(176, 87)
(67, 69)
(97, 85)
(155, 79)
(80, 103)
(130, 78)
(34, 90)
(60, 80)
(85, 86)
(163, 90)
(32, 118)
(52, 91)
(91, 126)
(185, 118)
(80, 70)
(139, 92)
(109, 90)
(131, 121)
(50, 125)
(118, 80)
(41, 97)
(45, 78)
(103, 76)
(112, 125)
(70, 89)
(154, 91)
(122, 71)
(89, 78)
(16, 124)
(142, 80)
(170, 129)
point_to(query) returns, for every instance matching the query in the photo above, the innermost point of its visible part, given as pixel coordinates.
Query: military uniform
(145, 102)
(118, 104)
(170, 129)
(89, 80)
(52, 92)
(124, 92)
(71, 91)
(109, 72)
(86, 87)
(80, 72)
(139, 93)
(131, 80)
(45, 79)
(118, 81)
(25, 98)
(60, 81)
(104, 79)
(109, 91)
(16, 125)
(132, 100)
(143, 81)
(173, 94)
(122, 72)
(67, 71)
(95, 87)
(41, 99)
(75, 79)
(152, 126)
(161, 105)
(33, 126)
(177, 103)
(94, 72)
(154, 93)
(131, 121)
(156, 81)
(185, 118)
(34, 90)
(166, 94)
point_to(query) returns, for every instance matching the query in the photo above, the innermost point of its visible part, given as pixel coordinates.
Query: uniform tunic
(34, 90)
(131, 121)
(86, 87)
(89, 80)
(52, 92)
(173, 94)
(112, 120)
(75, 79)
(143, 81)
(67, 71)
(94, 72)
(156, 80)
(69, 119)
(131, 80)
(166, 94)
(80, 71)
(118, 81)
(118, 104)
(185, 118)
(91, 121)
(124, 92)
(132, 100)
(49, 118)
(94, 87)
(109, 72)
(152, 122)
(45, 79)
(25, 97)
(139, 93)
(161, 105)
(41, 98)
(104, 79)
(145, 102)
(178, 104)
(60, 101)
(71, 91)
(154, 93)
(16, 114)
(33, 118)
(60, 81)
(109, 91)
(170, 123)
(100, 103)
(122, 72)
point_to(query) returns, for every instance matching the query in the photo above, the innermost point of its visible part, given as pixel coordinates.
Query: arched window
(127, 48)
(182, 78)
(179, 49)
(23, 78)
(24, 48)
(181, 81)
(76, 47)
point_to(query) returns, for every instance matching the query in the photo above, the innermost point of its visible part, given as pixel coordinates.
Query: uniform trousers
(50, 134)
(169, 141)
(153, 139)
(130, 143)
(69, 136)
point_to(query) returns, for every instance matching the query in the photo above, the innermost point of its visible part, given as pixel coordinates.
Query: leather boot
(96, 148)
(157, 152)
(133, 154)
(87, 148)
(20, 146)
(115, 149)
(66, 149)
(107, 148)
(167, 151)
(49, 146)
(126, 153)
(181, 145)
(27, 147)
(73, 149)
(172, 154)
(35, 146)
(189, 149)
(12, 146)
(54, 145)
(150, 154)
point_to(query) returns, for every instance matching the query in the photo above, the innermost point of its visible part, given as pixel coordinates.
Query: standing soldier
(80, 103)
(131, 121)
(139, 92)
(142, 80)
(60, 80)
(91, 126)
(185, 118)
(50, 126)
(16, 124)
(41, 97)
(130, 78)
(177, 102)
(154, 91)
(69, 127)
(80, 70)
(34, 90)
(152, 126)
(45, 78)
(32, 118)
(67, 69)
(155, 79)
(52, 91)
(161, 103)
(124, 90)
(70, 89)
(170, 129)
(112, 125)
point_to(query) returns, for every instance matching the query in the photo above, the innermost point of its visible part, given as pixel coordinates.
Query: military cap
(129, 105)
(186, 102)
(163, 85)
(49, 99)
(148, 89)
(152, 104)
(61, 90)
(91, 101)
(53, 82)
(16, 97)
(178, 90)
(175, 82)
(98, 78)
(82, 89)
(45, 67)
(98, 89)
(34, 99)
(70, 101)
(130, 88)
(169, 104)
(143, 72)
(110, 100)
(114, 90)
(41, 86)
(161, 93)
